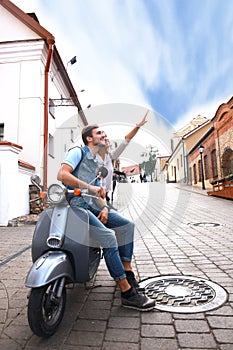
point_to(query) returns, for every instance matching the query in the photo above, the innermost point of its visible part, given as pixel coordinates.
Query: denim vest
(86, 170)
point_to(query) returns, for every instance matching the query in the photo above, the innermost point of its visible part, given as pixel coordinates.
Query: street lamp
(201, 149)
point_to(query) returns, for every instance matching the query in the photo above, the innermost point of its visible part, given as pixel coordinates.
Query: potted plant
(214, 182)
(229, 177)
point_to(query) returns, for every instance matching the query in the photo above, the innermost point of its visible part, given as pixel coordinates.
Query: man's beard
(98, 147)
(100, 144)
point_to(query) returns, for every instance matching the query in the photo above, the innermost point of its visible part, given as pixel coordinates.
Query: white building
(34, 132)
(176, 165)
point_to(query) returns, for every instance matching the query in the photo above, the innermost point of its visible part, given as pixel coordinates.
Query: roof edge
(221, 106)
(208, 132)
(28, 21)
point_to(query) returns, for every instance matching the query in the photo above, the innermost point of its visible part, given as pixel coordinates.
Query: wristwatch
(105, 206)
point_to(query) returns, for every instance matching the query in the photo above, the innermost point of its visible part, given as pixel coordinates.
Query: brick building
(218, 149)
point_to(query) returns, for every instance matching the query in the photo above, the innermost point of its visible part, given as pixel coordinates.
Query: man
(80, 171)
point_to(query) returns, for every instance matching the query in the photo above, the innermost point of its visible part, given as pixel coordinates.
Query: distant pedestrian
(144, 178)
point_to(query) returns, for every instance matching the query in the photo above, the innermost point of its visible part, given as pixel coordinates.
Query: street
(179, 231)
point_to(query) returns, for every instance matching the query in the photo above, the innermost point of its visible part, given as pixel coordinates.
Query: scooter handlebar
(83, 193)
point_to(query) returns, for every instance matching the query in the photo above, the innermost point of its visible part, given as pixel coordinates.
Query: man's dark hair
(87, 131)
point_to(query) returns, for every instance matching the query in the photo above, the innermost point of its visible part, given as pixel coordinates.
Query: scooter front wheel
(45, 310)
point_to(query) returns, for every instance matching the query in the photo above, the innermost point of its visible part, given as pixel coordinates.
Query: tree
(149, 165)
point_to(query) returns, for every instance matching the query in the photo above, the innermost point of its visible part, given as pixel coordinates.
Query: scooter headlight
(56, 194)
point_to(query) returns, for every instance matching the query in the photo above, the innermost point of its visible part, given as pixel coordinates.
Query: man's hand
(103, 215)
(98, 191)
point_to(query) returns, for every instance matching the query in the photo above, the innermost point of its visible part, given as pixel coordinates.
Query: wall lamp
(72, 61)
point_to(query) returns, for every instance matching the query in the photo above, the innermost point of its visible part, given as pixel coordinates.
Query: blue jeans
(116, 239)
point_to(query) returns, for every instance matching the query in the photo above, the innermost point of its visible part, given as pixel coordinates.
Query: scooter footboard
(47, 268)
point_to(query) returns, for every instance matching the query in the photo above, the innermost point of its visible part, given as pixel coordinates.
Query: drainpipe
(50, 42)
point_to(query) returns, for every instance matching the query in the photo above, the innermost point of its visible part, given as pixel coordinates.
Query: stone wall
(36, 203)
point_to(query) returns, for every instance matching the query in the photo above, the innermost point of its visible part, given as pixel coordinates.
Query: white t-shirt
(107, 162)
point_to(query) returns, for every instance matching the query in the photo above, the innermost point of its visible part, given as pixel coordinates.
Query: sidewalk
(175, 235)
(193, 189)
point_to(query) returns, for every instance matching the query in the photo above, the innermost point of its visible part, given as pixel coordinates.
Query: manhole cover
(184, 294)
(205, 224)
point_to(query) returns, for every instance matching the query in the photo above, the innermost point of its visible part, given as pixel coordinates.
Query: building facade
(212, 167)
(177, 163)
(217, 154)
(34, 131)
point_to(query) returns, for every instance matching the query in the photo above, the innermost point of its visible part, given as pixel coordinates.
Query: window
(214, 163)
(51, 145)
(52, 108)
(1, 132)
(195, 173)
(178, 167)
(206, 167)
(227, 161)
(199, 170)
(181, 160)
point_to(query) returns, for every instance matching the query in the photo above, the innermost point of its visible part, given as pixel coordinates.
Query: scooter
(61, 255)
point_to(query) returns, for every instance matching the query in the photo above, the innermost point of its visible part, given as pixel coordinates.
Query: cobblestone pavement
(177, 232)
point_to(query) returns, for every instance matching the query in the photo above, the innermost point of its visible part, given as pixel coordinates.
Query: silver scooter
(61, 255)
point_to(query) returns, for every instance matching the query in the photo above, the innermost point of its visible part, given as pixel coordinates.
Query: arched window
(214, 163)
(227, 161)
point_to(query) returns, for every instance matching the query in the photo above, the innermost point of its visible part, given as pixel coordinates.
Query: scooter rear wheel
(44, 314)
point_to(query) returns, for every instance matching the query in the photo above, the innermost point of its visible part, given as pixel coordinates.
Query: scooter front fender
(49, 267)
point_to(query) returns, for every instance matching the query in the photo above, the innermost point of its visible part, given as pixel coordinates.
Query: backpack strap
(83, 153)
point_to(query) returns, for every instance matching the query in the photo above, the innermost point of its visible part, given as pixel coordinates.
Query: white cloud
(127, 48)
(114, 51)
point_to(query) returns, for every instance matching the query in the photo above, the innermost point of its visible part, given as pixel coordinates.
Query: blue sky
(173, 56)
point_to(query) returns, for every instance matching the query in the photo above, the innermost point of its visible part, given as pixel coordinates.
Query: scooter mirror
(35, 179)
(103, 172)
